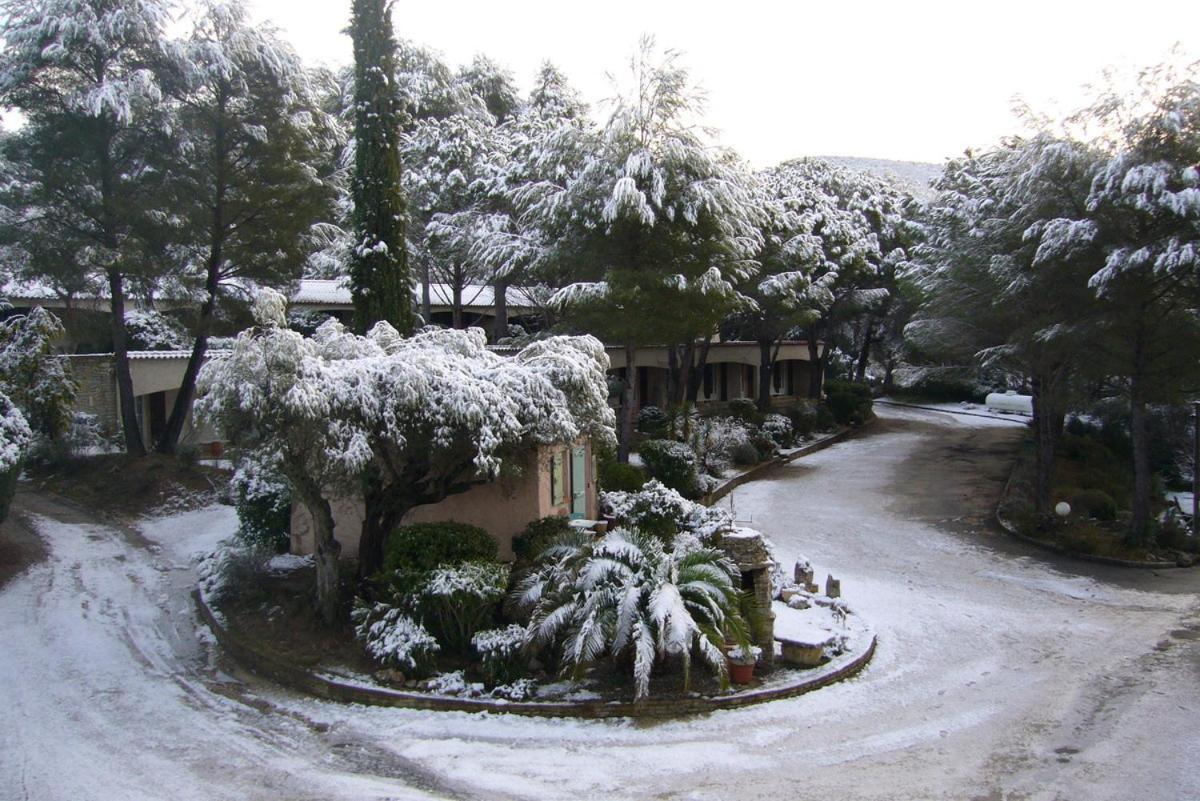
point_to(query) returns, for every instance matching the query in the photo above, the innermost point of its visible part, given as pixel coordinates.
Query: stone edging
(1015, 532)
(276, 669)
(758, 471)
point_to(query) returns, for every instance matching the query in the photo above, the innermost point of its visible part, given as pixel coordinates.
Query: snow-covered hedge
(393, 638)
(263, 499)
(500, 651)
(715, 440)
(672, 463)
(15, 438)
(779, 429)
(660, 510)
(152, 330)
(459, 600)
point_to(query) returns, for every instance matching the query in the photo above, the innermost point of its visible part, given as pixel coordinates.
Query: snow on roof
(336, 291)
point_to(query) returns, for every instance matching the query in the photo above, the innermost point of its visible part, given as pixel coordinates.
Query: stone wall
(97, 380)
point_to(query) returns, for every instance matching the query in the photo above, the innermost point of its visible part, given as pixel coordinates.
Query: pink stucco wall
(502, 508)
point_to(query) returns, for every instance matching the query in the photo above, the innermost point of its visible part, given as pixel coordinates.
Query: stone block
(833, 587)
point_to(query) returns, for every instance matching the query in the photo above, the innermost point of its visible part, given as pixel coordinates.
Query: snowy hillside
(914, 176)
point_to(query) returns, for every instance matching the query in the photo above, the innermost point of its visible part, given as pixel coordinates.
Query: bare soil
(125, 486)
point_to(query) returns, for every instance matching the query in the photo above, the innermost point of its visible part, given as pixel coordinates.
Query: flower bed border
(273, 667)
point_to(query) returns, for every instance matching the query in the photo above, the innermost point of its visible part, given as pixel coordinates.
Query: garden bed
(1079, 536)
(271, 631)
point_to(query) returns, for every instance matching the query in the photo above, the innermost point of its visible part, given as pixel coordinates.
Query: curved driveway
(1001, 673)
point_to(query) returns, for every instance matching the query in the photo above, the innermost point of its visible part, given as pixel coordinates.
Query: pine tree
(379, 277)
(84, 74)
(247, 186)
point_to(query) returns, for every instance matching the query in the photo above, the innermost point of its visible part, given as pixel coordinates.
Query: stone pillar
(748, 551)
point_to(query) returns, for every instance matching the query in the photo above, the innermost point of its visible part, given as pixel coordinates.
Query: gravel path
(999, 675)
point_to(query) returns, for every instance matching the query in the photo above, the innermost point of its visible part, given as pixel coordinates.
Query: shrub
(850, 403)
(1095, 503)
(629, 596)
(746, 455)
(714, 439)
(617, 476)
(672, 463)
(501, 654)
(423, 547)
(462, 599)
(746, 410)
(15, 438)
(652, 420)
(394, 639)
(663, 512)
(779, 429)
(529, 544)
(263, 500)
(803, 418)
(825, 419)
(764, 445)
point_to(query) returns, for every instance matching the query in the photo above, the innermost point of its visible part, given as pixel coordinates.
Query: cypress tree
(379, 278)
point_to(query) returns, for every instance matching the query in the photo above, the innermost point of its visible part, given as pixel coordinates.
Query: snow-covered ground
(996, 677)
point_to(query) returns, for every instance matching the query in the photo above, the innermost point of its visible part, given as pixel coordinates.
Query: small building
(157, 376)
(561, 480)
(730, 373)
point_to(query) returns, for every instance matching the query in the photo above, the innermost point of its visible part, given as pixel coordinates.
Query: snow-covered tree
(1143, 213)
(248, 187)
(82, 73)
(415, 419)
(379, 275)
(33, 375)
(662, 225)
(1005, 275)
(15, 439)
(630, 595)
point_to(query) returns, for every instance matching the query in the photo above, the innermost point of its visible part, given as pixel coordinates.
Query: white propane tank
(1010, 403)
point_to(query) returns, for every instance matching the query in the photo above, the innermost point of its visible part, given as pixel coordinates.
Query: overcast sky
(902, 80)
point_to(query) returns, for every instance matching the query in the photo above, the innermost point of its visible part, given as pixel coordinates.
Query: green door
(578, 484)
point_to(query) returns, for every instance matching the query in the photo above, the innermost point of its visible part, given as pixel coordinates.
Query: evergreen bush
(672, 463)
(423, 547)
(530, 543)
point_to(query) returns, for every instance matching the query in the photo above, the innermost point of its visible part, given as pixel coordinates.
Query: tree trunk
(1048, 418)
(816, 367)
(765, 374)
(169, 439)
(1139, 525)
(456, 305)
(864, 354)
(697, 377)
(629, 401)
(132, 430)
(500, 326)
(326, 553)
(426, 301)
(382, 515)
(672, 376)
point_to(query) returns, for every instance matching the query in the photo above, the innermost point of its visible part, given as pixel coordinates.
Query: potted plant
(742, 659)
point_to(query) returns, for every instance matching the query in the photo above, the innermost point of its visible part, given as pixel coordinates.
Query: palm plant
(630, 595)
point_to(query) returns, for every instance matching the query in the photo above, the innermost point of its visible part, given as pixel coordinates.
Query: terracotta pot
(740, 673)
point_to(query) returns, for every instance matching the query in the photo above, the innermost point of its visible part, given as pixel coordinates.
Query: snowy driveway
(997, 676)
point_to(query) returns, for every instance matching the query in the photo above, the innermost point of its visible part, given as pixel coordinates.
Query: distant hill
(915, 176)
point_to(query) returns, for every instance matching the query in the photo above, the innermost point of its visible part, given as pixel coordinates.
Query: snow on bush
(779, 429)
(714, 440)
(663, 511)
(500, 652)
(519, 690)
(629, 595)
(394, 639)
(461, 599)
(33, 376)
(455, 684)
(743, 654)
(152, 330)
(672, 463)
(15, 436)
(263, 499)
